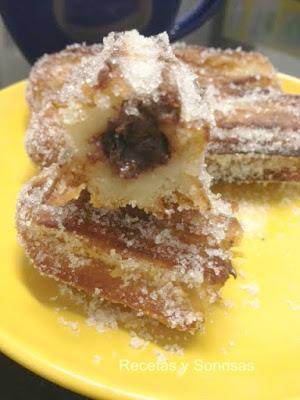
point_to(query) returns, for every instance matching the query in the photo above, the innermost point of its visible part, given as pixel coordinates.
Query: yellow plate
(250, 348)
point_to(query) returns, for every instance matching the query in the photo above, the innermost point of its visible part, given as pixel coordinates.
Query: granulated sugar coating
(256, 138)
(147, 64)
(129, 124)
(171, 269)
(136, 56)
(122, 208)
(105, 317)
(257, 132)
(253, 326)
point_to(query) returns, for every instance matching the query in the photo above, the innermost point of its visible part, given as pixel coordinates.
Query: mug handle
(193, 19)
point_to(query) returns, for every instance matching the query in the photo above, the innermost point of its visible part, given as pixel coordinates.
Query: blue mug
(46, 26)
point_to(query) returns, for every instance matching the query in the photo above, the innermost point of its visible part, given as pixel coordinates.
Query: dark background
(269, 26)
(17, 383)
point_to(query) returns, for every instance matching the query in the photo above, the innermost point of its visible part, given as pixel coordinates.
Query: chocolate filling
(134, 143)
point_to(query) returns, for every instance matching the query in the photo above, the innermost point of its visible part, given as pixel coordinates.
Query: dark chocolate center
(134, 143)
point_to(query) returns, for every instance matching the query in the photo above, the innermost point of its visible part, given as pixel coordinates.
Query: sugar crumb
(251, 288)
(161, 356)
(228, 303)
(175, 349)
(254, 303)
(97, 358)
(294, 306)
(74, 326)
(138, 343)
(242, 273)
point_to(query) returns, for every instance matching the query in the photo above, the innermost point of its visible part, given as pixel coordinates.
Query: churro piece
(233, 71)
(51, 71)
(256, 138)
(129, 125)
(170, 269)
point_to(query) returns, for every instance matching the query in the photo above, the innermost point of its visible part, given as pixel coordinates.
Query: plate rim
(14, 350)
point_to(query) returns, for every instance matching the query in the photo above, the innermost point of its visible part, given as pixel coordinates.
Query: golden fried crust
(267, 124)
(51, 71)
(44, 141)
(233, 71)
(257, 138)
(245, 70)
(168, 269)
(253, 167)
(265, 111)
